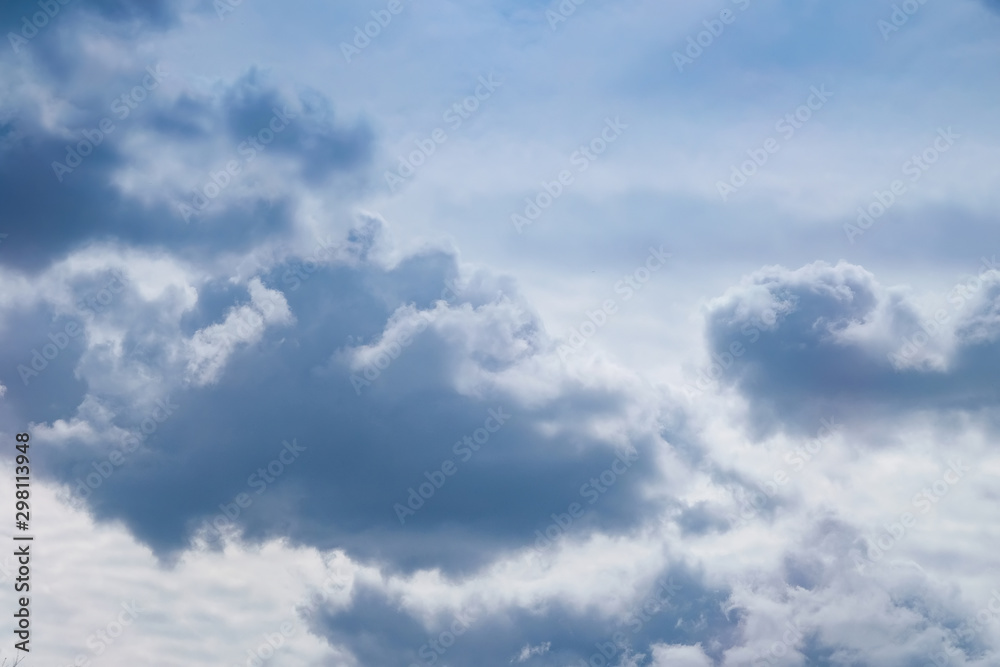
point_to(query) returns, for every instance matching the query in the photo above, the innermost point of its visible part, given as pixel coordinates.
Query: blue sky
(632, 334)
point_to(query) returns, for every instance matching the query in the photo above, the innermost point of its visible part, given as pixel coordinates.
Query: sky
(502, 332)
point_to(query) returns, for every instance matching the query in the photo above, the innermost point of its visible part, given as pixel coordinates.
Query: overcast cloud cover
(627, 334)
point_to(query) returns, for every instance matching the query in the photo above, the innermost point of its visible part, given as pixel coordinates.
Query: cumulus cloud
(210, 347)
(802, 344)
(250, 394)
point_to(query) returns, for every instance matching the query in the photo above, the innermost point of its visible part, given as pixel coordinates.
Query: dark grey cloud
(149, 13)
(48, 211)
(817, 342)
(363, 451)
(680, 608)
(312, 136)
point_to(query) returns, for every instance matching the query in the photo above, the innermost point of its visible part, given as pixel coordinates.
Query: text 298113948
(22, 542)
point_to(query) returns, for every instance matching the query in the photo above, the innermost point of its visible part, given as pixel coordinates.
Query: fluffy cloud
(252, 396)
(802, 344)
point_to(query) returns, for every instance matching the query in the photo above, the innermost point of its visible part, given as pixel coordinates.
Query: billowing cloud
(342, 420)
(800, 344)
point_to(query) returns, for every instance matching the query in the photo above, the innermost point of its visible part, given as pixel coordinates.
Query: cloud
(680, 656)
(822, 340)
(210, 347)
(529, 651)
(247, 376)
(582, 615)
(125, 178)
(154, 13)
(312, 136)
